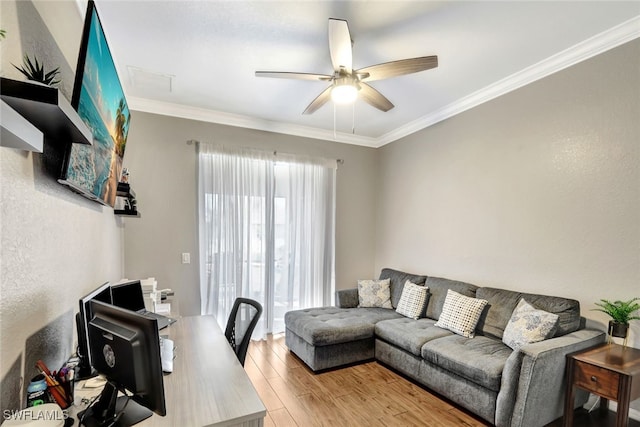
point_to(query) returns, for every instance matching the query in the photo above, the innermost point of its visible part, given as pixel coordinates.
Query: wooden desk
(610, 371)
(208, 386)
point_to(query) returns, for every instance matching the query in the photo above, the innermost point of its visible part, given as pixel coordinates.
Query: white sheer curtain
(267, 225)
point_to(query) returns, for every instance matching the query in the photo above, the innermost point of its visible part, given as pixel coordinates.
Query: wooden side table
(610, 371)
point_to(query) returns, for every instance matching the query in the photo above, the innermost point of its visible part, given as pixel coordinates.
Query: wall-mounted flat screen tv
(94, 170)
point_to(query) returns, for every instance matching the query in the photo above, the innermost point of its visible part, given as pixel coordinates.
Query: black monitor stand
(83, 370)
(108, 410)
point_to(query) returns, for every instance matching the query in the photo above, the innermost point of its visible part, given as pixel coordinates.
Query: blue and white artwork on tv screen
(102, 106)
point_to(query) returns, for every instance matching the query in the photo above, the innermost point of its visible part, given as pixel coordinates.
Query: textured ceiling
(198, 58)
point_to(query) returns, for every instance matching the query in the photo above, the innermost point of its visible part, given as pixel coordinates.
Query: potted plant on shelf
(34, 71)
(621, 312)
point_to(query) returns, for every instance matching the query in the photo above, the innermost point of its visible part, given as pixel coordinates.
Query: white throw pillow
(374, 293)
(528, 325)
(413, 300)
(460, 314)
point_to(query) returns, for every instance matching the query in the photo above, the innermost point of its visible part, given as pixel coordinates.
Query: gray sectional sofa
(506, 387)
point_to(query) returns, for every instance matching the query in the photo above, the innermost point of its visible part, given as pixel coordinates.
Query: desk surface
(208, 385)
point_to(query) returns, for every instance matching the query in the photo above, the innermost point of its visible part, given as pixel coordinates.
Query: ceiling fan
(347, 83)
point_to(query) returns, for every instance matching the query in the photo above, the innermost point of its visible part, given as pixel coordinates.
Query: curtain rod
(275, 153)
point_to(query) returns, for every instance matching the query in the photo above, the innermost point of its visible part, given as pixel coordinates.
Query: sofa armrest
(347, 298)
(534, 380)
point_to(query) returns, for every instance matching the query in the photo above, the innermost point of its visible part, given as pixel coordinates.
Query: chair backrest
(242, 321)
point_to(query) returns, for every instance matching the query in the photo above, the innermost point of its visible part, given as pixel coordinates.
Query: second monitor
(129, 295)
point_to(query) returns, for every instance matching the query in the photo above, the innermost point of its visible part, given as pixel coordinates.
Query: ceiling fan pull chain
(353, 118)
(335, 135)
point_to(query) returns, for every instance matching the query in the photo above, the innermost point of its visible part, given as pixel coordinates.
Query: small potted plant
(621, 312)
(34, 71)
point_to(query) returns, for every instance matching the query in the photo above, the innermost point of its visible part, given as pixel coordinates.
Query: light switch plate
(186, 258)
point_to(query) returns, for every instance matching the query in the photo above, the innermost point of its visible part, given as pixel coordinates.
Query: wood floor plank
(268, 396)
(277, 346)
(294, 406)
(303, 381)
(341, 382)
(358, 410)
(267, 350)
(373, 372)
(323, 408)
(282, 418)
(262, 363)
(268, 421)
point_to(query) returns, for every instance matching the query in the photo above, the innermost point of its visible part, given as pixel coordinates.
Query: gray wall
(56, 245)
(538, 190)
(163, 174)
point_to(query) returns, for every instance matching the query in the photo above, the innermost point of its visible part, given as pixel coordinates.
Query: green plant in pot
(621, 312)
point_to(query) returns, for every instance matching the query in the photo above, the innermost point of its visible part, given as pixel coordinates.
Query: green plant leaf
(619, 311)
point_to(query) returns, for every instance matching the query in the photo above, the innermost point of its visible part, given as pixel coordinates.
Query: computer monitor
(128, 295)
(101, 293)
(125, 348)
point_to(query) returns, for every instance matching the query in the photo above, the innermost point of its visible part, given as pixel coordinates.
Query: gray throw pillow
(528, 325)
(374, 293)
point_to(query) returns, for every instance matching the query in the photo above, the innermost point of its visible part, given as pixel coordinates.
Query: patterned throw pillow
(460, 314)
(413, 300)
(374, 293)
(528, 325)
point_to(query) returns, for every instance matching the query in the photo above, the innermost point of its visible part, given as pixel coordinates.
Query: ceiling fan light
(345, 93)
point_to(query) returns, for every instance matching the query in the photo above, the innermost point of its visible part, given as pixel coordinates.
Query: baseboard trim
(633, 413)
(613, 406)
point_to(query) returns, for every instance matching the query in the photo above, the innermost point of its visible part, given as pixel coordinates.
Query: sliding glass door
(266, 233)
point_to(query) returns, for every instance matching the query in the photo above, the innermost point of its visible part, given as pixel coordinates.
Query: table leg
(569, 396)
(624, 395)
(603, 408)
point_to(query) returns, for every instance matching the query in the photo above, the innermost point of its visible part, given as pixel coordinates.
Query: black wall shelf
(47, 109)
(131, 209)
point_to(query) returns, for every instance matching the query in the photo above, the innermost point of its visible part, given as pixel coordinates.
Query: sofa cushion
(480, 359)
(332, 325)
(347, 298)
(528, 325)
(413, 300)
(409, 335)
(438, 288)
(374, 293)
(398, 279)
(460, 313)
(502, 303)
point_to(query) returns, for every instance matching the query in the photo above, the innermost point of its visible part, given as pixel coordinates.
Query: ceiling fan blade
(340, 45)
(374, 98)
(398, 68)
(319, 101)
(298, 76)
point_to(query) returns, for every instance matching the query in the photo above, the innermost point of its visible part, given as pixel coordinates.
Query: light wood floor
(363, 395)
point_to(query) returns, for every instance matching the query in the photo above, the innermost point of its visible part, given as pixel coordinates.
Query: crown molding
(238, 120)
(609, 39)
(586, 49)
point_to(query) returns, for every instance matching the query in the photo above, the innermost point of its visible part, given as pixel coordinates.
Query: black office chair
(242, 321)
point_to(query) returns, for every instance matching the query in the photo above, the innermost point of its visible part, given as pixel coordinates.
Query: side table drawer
(595, 379)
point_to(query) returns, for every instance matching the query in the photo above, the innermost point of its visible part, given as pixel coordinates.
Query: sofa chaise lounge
(522, 387)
